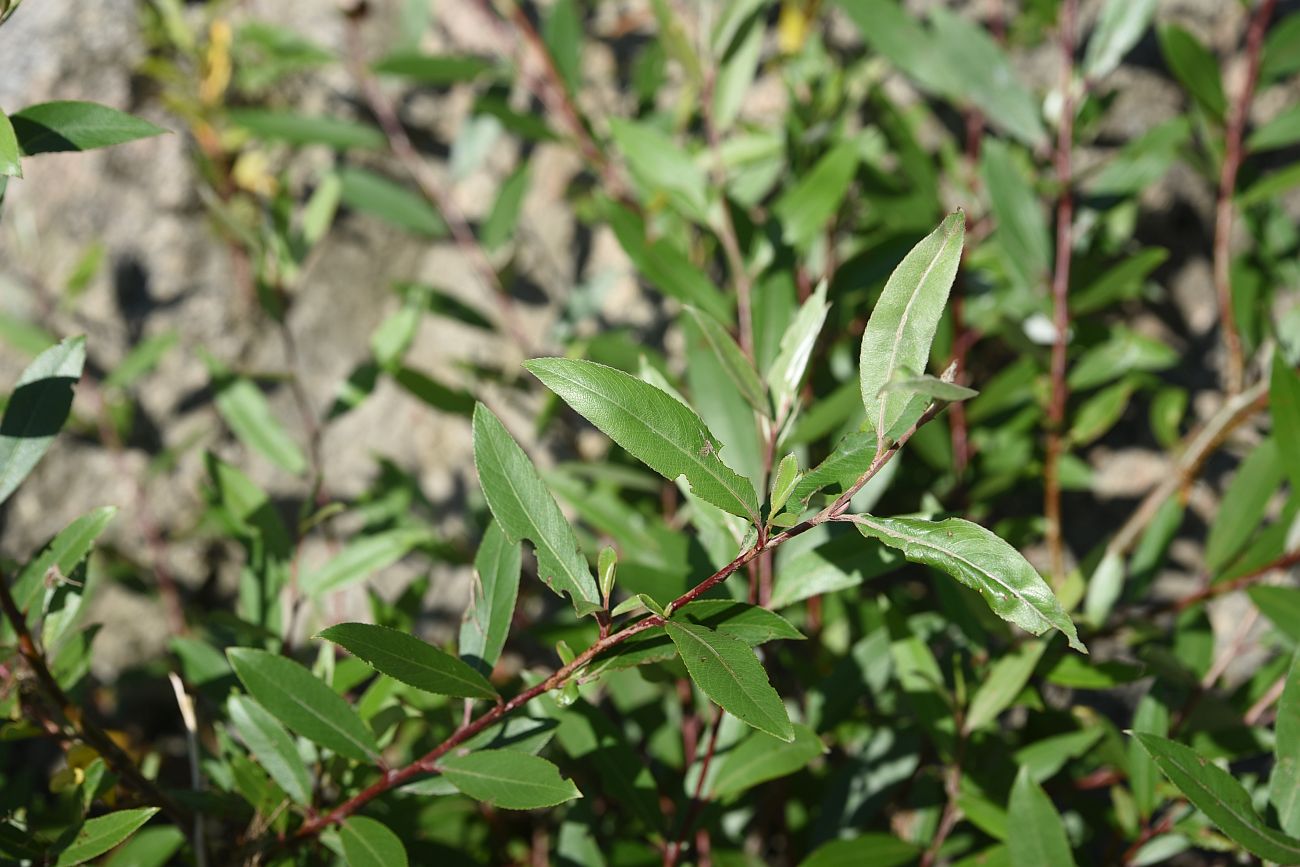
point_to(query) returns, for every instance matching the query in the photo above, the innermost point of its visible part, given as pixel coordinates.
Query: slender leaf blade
(69, 125)
(10, 158)
(652, 426)
(1284, 785)
(248, 414)
(738, 368)
(1220, 797)
(364, 557)
(726, 669)
(1040, 835)
(980, 560)
(369, 843)
(525, 509)
(496, 586)
(509, 779)
(37, 409)
(303, 702)
(903, 323)
(410, 660)
(761, 757)
(271, 745)
(101, 834)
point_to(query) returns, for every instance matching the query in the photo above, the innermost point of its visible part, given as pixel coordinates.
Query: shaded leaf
(37, 408)
(1003, 683)
(391, 202)
(785, 376)
(369, 843)
(10, 162)
(1284, 404)
(436, 69)
(100, 834)
(525, 509)
(659, 165)
(363, 558)
(50, 127)
(1244, 503)
(738, 368)
(1039, 837)
(492, 600)
(303, 702)
(271, 745)
(652, 426)
(1284, 785)
(248, 414)
(981, 561)
(806, 208)
(1120, 26)
(727, 671)
(509, 779)
(761, 757)
(299, 129)
(867, 850)
(1194, 67)
(1022, 231)
(410, 660)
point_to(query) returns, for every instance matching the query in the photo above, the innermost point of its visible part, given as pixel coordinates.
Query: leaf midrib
(927, 544)
(902, 325)
(690, 457)
(293, 697)
(730, 671)
(450, 672)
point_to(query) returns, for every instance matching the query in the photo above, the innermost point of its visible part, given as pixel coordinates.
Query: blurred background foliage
(366, 216)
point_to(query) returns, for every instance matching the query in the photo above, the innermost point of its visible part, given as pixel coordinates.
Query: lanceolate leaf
(981, 561)
(37, 409)
(1216, 794)
(271, 745)
(10, 164)
(303, 703)
(369, 843)
(761, 757)
(337, 132)
(653, 426)
(728, 672)
(1284, 403)
(739, 369)
(1119, 28)
(243, 406)
(1039, 837)
(99, 835)
(525, 509)
(786, 373)
(509, 779)
(1284, 785)
(363, 558)
(903, 323)
(76, 126)
(64, 553)
(410, 660)
(492, 601)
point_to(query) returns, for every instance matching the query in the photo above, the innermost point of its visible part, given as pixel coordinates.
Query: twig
(1265, 701)
(1060, 295)
(402, 148)
(1223, 211)
(428, 763)
(1286, 561)
(674, 849)
(114, 756)
(1198, 445)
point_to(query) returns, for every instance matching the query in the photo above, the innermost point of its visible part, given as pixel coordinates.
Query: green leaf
(737, 66)
(1284, 403)
(10, 162)
(437, 69)
(51, 127)
(410, 660)
(738, 368)
(363, 558)
(652, 426)
(1119, 27)
(867, 850)
(562, 33)
(303, 703)
(806, 208)
(1100, 412)
(369, 843)
(588, 735)
(98, 835)
(299, 129)
(903, 323)
(492, 601)
(784, 481)
(981, 561)
(525, 509)
(64, 554)
(752, 624)
(659, 165)
(785, 376)
(1221, 798)
(1281, 54)
(509, 779)
(1005, 680)
(499, 226)
(761, 757)
(142, 358)
(983, 75)
(1284, 785)
(390, 202)
(1194, 67)
(246, 411)
(727, 671)
(37, 409)
(271, 745)
(1022, 232)
(1123, 352)
(152, 847)
(1281, 605)
(1244, 503)
(1119, 283)
(924, 385)
(1280, 132)
(1039, 837)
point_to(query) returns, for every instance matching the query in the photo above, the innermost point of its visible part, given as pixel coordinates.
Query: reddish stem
(1223, 212)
